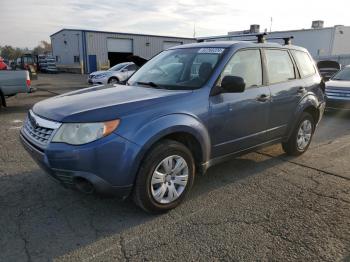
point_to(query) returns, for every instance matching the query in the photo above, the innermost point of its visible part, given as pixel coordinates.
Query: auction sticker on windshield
(211, 50)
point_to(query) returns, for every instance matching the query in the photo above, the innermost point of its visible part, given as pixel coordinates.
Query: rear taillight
(28, 80)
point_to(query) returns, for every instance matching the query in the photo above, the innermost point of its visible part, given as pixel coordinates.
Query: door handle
(263, 98)
(301, 90)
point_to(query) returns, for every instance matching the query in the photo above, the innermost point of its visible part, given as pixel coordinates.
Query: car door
(238, 120)
(286, 89)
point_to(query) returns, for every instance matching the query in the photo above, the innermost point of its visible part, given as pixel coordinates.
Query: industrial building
(88, 51)
(324, 43)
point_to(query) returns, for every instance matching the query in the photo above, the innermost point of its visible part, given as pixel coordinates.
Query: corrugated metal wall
(66, 45)
(341, 43)
(144, 46)
(96, 44)
(318, 42)
(342, 59)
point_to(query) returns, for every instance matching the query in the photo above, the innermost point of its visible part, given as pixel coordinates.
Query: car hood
(336, 84)
(98, 72)
(103, 103)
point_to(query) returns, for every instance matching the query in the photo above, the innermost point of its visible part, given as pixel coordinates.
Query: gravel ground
(261, 206)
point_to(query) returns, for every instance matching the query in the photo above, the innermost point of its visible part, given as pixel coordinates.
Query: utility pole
(271, 24)
(194, 30)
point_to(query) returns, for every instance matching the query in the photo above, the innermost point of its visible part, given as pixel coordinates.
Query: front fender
(170, 124)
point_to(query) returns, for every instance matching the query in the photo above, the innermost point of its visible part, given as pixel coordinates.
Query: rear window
(280, 67)
(305, 63)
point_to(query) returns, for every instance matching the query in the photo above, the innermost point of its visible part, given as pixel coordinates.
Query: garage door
(168, 44)
(119, 45)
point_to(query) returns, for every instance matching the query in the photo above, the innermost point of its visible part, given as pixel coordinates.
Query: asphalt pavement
(262, 206)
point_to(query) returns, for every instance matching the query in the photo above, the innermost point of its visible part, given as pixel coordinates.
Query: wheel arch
(309, 104)
(188, 131)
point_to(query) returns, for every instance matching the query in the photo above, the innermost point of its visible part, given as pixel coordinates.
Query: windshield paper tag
(211, 50)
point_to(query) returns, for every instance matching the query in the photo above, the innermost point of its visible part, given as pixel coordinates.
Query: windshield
(117, 67)
(343, 75)
(178, 69)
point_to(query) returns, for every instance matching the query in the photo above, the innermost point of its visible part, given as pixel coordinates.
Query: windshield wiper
(152, 84)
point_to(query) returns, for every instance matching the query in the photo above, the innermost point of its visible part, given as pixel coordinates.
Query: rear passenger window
(280, 67)
(245, 64)
(305, 63)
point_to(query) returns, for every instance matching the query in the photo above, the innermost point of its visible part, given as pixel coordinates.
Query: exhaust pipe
(84, 185)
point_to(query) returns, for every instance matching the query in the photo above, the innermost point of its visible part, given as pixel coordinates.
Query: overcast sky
(24, 23)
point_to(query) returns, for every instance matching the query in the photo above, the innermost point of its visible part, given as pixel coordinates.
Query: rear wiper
(152, 84)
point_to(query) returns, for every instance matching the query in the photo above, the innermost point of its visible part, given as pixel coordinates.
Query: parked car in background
(188, 108)
(328, 68)
(13, 82)
(115, 74)
(3, 65)
(338, 90)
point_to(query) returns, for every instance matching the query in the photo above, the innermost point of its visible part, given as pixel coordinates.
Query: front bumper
(109, 164)
(98, 81)
(338, 103)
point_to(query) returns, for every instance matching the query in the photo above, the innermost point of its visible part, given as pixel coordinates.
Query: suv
(188, 108)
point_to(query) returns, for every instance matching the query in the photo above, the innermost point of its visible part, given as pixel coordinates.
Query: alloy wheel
(304, 134)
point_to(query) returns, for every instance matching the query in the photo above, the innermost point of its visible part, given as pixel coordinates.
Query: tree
(43, 48)
(10, 53)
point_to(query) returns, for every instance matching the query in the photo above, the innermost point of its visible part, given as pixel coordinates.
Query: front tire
(165, 177)
(300, 140)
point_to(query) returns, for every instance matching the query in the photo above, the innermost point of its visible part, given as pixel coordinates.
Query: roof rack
(261, 38)
(287, 40)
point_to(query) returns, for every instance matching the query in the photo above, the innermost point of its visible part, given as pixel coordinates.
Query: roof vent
(254, 29)
(318, 24)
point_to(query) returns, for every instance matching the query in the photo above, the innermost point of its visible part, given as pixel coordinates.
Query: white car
(115, 74)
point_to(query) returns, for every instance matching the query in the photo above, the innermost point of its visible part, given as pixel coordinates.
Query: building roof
(119, 33)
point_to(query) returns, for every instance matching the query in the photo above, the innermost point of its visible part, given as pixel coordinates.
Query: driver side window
(247, 65)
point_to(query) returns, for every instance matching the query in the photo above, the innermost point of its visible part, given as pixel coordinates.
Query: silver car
(338, 90)
(115, 74)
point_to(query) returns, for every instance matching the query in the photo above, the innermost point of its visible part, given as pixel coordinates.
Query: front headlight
(83, 133)
(100, 76)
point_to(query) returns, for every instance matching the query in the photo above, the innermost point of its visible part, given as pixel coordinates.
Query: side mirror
(233, 84)
(124, 70)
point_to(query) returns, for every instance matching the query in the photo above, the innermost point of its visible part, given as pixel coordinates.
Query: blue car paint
(219, 123)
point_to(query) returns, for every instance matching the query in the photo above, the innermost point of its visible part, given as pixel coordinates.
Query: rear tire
(2, 100)
(165, 177)
(113, 80)
(301, 138)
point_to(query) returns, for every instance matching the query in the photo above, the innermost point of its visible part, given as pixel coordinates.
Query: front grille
(39, 130)
(39, 133)
(338, 93)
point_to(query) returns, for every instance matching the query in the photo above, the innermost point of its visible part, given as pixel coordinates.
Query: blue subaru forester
(188, 108)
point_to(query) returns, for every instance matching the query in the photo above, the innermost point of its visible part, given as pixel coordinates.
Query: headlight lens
(83, 133)
(101, 76)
